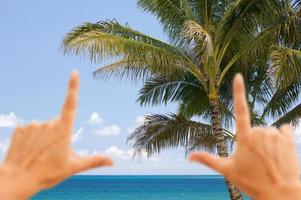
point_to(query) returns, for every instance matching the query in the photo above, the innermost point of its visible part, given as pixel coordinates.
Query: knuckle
(53, 124)
(19, 130)
(70, 103)
(44, 126)
(34, 125)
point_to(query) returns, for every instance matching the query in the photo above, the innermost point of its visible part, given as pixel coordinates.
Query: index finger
(70, 105)
(241, 107)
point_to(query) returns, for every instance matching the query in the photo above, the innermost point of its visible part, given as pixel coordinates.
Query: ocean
(138, 188)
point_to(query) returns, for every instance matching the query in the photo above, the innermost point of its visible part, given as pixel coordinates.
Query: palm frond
(285, 29)
(160, 132)
(99, 43)
(171, 13)
(291, 117)
(247, 20)
(113, 27)
(195, 142)
(110, 40)
(193, 31)
(282, 100)
(136, 68)
(287, 63)
(163, 89)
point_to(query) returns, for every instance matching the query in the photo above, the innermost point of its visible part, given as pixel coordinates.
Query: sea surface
(138, 188)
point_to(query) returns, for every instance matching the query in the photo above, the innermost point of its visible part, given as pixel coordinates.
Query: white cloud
(108, 130)
(115, 151)
(168, 162)
(77, 135)
(86, 152)
(9, 121)
(95, 119)
(123, 154)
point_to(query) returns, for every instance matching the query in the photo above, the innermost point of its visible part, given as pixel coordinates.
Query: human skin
(264, 164)
(40, 155)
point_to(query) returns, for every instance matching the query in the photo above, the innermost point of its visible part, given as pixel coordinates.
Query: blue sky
(34, 73)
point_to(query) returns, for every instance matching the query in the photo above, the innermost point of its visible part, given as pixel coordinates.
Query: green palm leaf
(163, 89)
(287, 63)
(282, 100)
(171, 13)
(159, 132)
(108, 39)
(242, 18)
(194, 31)
(291, 117)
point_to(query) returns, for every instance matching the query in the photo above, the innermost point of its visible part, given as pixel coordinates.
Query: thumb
(209, 160)
(90, 162)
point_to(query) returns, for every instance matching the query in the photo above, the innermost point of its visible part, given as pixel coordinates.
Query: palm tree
(269, 106)
(207, 39)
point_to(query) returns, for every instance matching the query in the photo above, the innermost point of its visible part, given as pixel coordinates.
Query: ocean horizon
(137, 187)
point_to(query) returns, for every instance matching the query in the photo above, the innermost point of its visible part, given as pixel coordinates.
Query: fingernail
(193, 157)
(238, 77)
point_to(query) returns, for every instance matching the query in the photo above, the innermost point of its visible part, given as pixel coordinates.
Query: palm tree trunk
(221, 144)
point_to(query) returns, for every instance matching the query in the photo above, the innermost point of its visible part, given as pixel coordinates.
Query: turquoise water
(138, 188)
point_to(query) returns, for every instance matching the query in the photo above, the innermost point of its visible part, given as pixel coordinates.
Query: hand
(40, 155)
(264, 164)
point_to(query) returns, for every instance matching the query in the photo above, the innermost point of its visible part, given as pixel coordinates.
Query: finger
(17, 142)
(209, 160)
(241, 107)
(70, 105)
(287, 131)
(86, 163)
